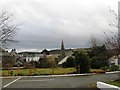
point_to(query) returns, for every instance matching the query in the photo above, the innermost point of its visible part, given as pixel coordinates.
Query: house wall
(114, 61)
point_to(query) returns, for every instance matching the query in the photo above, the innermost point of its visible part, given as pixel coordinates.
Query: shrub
(81, 62)
(20, 74)
(11, 73)
(69, 63)
(105, 68)
(98, 62)
(114, 68)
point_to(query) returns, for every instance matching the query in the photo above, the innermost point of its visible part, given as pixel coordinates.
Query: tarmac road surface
(56, 82)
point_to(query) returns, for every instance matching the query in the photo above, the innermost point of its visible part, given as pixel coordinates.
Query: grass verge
(115, 83)
(38, 71)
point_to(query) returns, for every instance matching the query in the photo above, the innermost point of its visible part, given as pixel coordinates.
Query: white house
(114, 60)
(63, 60)
(30, 56)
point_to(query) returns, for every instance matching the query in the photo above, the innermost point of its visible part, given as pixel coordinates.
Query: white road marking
(11, 82)
(36, 80)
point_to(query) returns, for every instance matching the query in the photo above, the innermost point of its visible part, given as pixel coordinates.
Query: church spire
(62, 45)
(62, 50)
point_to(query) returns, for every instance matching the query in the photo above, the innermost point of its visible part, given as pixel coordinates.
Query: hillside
(67, 51)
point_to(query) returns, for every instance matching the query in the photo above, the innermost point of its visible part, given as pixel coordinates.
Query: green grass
(93, 85)
(43, 71)
(39, 71)
(116, 83)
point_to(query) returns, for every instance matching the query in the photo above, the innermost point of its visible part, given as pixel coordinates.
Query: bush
(20, 74)
(69, 63)
(11, 73)
(105, 68)
(98, 62)
(114, 68)
(81, 62)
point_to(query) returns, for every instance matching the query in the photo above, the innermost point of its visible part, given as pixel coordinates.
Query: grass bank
(44, 71)
(38, 71)
(115, 83)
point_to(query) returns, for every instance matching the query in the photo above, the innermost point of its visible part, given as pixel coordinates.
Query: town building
(22, 58)
(30, 56)
(7, 58)
(114, 60)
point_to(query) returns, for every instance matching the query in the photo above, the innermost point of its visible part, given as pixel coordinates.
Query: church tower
(62, 54)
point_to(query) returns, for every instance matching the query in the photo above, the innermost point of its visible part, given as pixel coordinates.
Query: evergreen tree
(81, 62)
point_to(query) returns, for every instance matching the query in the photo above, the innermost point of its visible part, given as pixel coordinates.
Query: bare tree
(112, 43)
(52, 62)
(7, 30)
(112, 40)
(94, 42)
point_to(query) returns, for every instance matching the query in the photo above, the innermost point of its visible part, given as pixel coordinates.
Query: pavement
(56, 81)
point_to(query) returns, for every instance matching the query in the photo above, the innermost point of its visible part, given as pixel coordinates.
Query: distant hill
(67, 51)
(29, 52)
(56, 51)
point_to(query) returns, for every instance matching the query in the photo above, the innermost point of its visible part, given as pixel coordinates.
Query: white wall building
(114, 60)
(30, 56)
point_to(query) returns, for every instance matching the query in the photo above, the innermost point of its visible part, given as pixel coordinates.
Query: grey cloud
(46, 23)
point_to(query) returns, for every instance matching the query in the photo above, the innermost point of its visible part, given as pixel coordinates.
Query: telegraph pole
(119, 24)
(119, 38)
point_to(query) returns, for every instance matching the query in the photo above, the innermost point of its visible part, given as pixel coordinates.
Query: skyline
(46, 23)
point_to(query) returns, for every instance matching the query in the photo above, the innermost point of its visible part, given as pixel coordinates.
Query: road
(56, 82)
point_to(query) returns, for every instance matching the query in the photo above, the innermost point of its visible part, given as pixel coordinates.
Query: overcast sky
(45, 23)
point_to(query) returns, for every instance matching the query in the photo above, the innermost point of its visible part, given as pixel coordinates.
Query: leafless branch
(7, 30)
